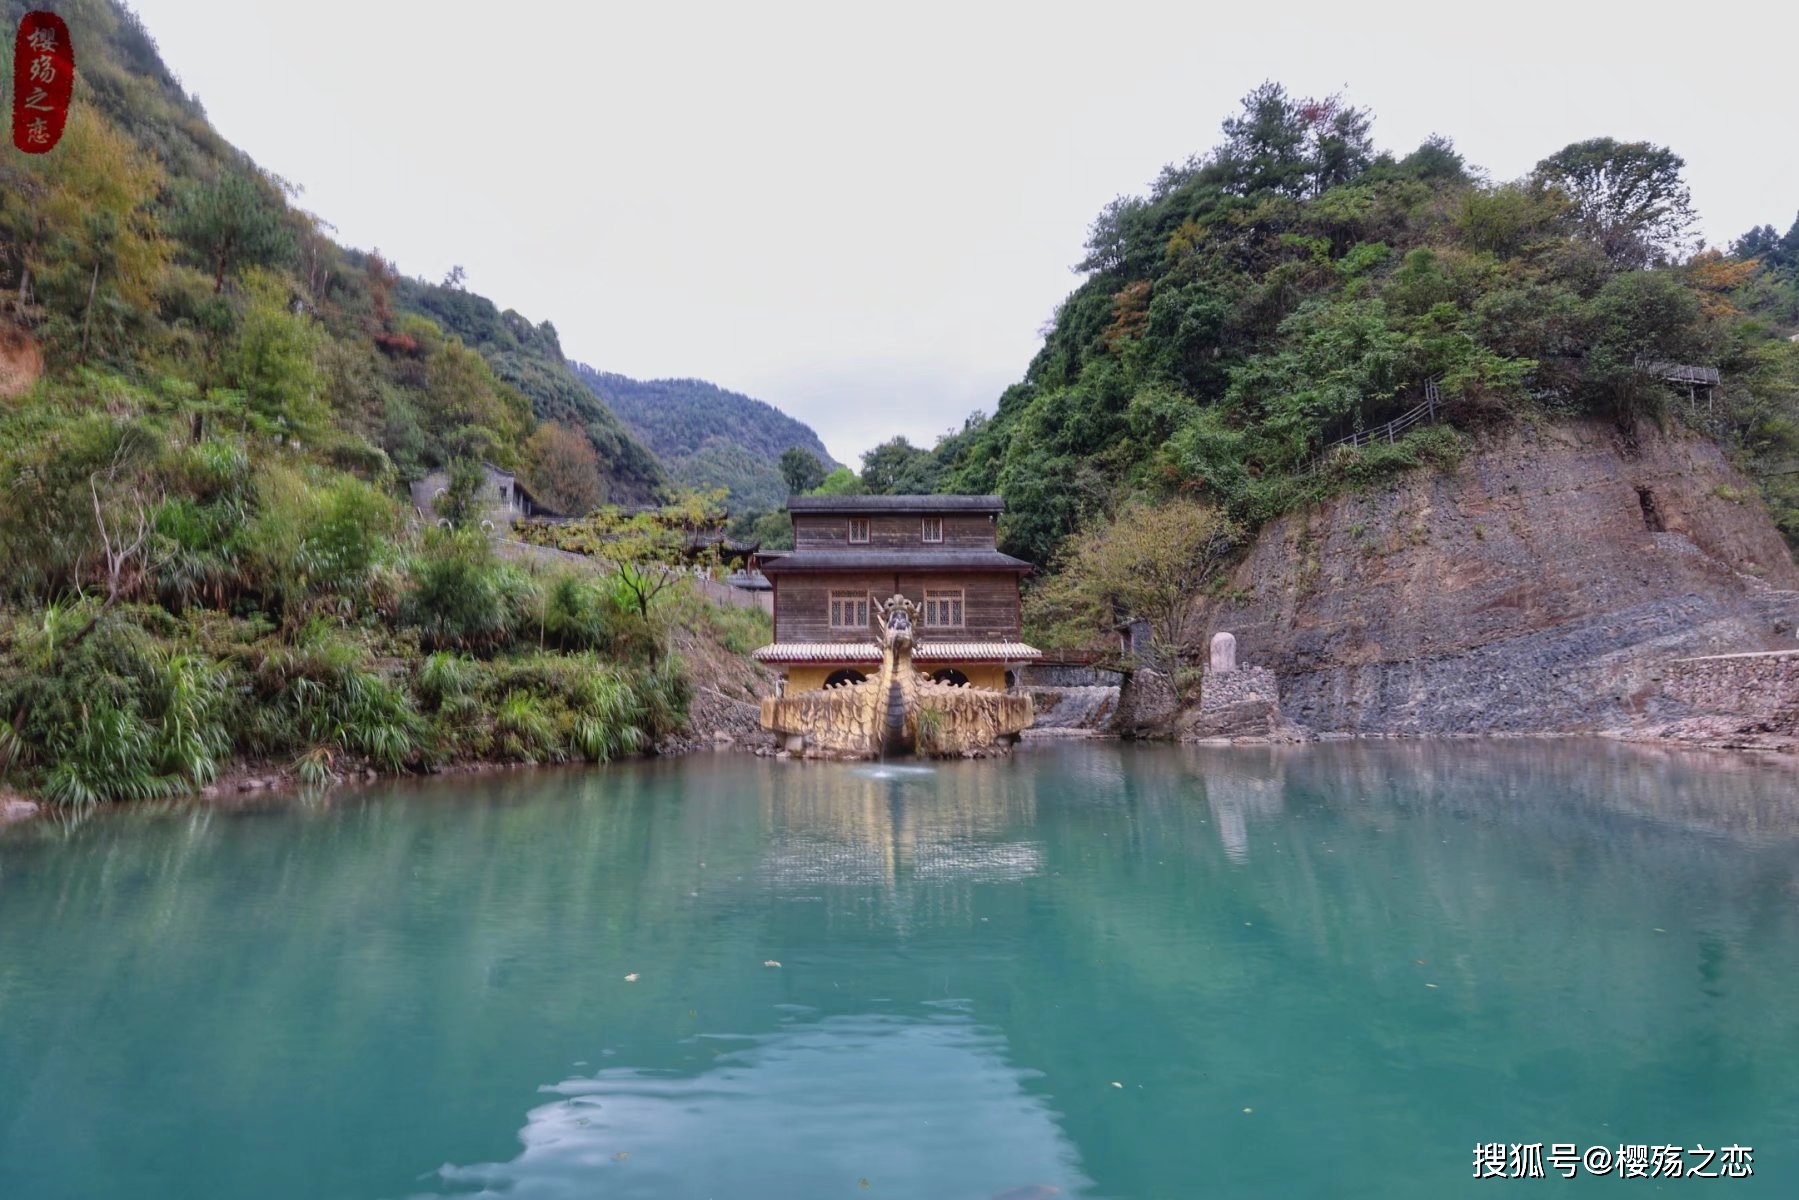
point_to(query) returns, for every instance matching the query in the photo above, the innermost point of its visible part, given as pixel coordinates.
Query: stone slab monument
(1224, 653)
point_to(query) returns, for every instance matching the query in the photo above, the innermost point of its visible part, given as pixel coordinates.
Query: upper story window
(849, 610)
(943, 609)
(858, 529)
(933, 529)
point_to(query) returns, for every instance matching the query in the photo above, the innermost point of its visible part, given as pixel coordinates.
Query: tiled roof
(888, 504)
(848, 652)
(975, 652)
(892, 560)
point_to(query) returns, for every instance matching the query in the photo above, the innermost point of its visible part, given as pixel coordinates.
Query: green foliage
(1628, 197)
(462, 502)
(1149, 562)
(273, 361)
(801, 470)
(898, 468)
(647, 550)
(529, 358)
(232, 223)
(455, 600)
(1295, 286)
(102, 711)
(841, 482)
(202, 552)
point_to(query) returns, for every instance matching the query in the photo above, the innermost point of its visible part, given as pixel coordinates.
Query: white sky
(865, 214)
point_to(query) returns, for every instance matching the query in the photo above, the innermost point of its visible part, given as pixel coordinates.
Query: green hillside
(707, 436)
(529, 357)
(1295, 284)
(209, 412)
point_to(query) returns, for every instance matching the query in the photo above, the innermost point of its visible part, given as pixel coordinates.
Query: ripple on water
(885, 771)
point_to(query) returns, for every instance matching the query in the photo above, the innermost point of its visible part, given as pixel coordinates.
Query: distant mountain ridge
(707, 436)
(529, 357)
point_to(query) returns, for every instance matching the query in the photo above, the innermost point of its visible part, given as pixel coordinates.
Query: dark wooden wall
(893, 531)
(803, 603)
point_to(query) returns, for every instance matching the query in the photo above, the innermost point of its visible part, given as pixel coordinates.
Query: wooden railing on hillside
(1428, 411)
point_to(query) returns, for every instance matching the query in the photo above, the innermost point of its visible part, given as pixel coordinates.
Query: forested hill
(209, 413)
(1295, 284)
(147, 250)
(707, 436)
(529, 357)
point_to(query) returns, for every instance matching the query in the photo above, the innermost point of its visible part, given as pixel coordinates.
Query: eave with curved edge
(848, 653)
(792, 561)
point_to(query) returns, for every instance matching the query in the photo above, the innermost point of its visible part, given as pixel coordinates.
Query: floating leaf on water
(1249, 1110)
(1116, 1084)
(863, 1183)
(693, 1012)
(771, 963)
(631, 978)
(621, 1156)
(1430, 985)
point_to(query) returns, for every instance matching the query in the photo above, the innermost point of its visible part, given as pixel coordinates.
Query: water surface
(1112, 971)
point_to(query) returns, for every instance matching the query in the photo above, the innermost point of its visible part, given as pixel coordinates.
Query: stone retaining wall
(1755, 685)
(1245, 685)
(1067, 675)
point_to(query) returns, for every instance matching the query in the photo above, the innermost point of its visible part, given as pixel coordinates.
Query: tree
(1629, 198)
(647, 549)
(1149, 561)
(462, 502)
(1295, 147)
(564, 469)
(1766, 243)
(841, 482)
(273, 360)
(801, 469)
(234, 223)
(84, 238)
(1638, 316)
(898, 468)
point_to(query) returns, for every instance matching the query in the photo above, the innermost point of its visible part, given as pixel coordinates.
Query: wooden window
(943, 610)
(858, 529)
(849, 610)
(933, 529)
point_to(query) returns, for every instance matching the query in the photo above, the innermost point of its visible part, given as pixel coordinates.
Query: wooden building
(937, 551)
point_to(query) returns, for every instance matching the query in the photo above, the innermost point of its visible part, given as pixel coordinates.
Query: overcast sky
(865, 214)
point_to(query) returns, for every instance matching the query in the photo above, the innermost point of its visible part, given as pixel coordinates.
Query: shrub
(455, 599)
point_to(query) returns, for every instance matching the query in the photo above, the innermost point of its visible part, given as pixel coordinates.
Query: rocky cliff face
(1542, 586)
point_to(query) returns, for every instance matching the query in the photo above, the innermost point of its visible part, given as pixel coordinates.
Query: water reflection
(1385, 951)
(834, 834)
(772, 1115)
